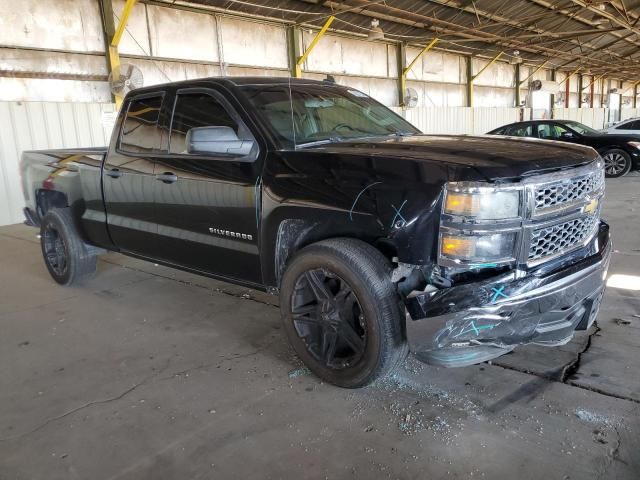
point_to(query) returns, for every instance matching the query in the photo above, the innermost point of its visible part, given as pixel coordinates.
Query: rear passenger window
(196, 110)
(521, 131)
(140, 132)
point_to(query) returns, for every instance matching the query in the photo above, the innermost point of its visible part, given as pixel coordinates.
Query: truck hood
(491, 157)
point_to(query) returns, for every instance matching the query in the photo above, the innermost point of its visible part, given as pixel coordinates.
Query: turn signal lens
(480, 248)
(457, 246)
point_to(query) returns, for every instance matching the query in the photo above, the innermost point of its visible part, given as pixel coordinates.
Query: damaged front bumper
(476, 322)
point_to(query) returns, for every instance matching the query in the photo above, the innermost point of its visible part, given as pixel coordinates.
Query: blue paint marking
(473, 325)
(358, 197)
(497, 293)
(256, 194)
(398, 214)
(484, 265)
(475, 329)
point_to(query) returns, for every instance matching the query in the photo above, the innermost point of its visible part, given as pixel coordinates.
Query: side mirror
(222, 140)
(567, 135)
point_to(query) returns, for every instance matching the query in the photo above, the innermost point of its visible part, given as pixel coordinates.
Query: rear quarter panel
(76, 173)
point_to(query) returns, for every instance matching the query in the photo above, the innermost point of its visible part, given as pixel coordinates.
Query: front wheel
(341, 312)
(617, 163)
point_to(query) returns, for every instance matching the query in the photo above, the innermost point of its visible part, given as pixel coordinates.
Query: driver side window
(195, 110)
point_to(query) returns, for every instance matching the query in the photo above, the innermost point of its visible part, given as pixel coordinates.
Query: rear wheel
(342, 313)
(65, 254)
(617, 163)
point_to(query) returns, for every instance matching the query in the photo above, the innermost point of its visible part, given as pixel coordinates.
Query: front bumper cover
(476, 322)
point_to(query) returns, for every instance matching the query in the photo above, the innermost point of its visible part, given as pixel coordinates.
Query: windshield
(319, 114)
(580, 128)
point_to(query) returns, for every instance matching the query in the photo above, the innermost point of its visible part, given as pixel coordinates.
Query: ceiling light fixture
(376, 32)
(597, 18)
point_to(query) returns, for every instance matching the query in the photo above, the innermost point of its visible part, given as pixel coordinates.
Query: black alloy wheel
(55, 250)
(66, 256)
(328, 318)
(341, 312)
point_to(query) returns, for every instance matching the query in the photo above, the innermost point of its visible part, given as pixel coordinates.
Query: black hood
(493, 157)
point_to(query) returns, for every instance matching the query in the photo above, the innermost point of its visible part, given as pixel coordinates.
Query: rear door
(521, 130)
(208, 203)
(128, 174)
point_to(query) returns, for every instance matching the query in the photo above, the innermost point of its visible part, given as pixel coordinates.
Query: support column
(108, 31)
(469, 81)
(294, 50)
(553, 95)
(517, 92)
(401, 57)
(580, 87)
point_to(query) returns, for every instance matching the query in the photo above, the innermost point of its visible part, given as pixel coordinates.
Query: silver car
(630, 126)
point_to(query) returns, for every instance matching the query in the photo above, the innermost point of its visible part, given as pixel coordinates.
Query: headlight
(478, 248)
(489, 205)
(635, 145)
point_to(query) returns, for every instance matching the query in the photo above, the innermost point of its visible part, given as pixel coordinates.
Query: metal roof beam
(513, 23)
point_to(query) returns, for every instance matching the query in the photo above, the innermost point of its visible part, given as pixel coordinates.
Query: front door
(128, 174)
(207, 199)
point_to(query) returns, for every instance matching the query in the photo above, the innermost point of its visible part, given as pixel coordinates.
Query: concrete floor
(149, 373)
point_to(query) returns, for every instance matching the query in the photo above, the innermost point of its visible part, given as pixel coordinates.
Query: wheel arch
(47, 199)
(290, 230)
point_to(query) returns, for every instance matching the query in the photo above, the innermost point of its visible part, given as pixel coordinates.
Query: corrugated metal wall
(461, 120)
(592, 117)
(629, 113)
(40, 125)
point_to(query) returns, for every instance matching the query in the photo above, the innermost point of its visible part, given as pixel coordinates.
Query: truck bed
(69, 170)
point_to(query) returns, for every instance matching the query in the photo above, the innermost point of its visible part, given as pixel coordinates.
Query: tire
(617, 163)
(65, 254)
(325, 273)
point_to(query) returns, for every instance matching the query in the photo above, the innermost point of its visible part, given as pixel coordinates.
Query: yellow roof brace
(427, 47)
(534, 72)
(491, 62)
(312, 45)
(114, 57)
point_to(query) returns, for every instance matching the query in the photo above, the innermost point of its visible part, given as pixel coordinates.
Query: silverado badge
(227, 233)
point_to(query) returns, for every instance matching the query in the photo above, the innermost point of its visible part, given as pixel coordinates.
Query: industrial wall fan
(125, 78)
(410, 97)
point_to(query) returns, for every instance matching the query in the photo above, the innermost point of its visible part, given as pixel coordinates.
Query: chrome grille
(561, 237)
(557, 195)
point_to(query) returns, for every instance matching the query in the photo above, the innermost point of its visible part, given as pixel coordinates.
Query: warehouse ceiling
(597, 37)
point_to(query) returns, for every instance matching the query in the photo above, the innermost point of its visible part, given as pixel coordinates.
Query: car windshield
(580, 128)
(315, 114)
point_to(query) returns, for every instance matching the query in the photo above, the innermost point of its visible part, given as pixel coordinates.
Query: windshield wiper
(319, 142)
(402, 133)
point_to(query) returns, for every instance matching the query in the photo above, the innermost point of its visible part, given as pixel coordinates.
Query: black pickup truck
(377, 238)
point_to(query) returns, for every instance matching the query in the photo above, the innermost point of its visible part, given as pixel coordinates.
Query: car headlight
(483, 205)
(478, 248)
(635, 145)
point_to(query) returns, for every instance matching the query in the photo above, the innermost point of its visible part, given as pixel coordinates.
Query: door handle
(167, 177)
(113, 173)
